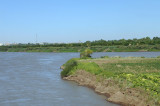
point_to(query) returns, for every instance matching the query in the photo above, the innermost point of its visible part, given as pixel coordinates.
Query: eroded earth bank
(127, 81)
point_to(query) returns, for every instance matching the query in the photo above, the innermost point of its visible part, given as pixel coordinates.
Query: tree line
(121, 42)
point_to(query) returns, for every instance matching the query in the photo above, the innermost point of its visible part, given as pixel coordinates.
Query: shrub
(70, 64)
(86, 54)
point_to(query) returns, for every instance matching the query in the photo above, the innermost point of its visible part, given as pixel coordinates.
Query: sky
(64, 21)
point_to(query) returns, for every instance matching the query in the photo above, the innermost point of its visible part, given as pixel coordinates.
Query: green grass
(68, 66)
(90, 67)
(140, 73)
(73, 65)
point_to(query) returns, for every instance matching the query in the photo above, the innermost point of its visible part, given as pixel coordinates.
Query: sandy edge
(130, 97)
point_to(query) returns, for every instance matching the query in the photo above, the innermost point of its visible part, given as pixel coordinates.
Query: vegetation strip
(135, 80)
(122, 45)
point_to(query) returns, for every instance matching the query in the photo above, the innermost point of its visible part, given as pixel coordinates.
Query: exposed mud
(107, 87)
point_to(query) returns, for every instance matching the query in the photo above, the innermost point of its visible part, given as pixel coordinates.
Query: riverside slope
(104, 87)
(127, 81)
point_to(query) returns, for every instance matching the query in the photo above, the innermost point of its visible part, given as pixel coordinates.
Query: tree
(86, 54)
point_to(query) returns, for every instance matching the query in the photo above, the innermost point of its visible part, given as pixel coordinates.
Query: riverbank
(42, 48)
(126, 81)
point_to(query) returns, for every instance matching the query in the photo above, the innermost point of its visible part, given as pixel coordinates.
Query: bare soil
(107, 87)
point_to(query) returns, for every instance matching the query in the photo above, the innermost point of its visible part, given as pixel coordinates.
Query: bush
(70, 64)
(86, 54)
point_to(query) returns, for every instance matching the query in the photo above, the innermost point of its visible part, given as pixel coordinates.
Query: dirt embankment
(129, 97)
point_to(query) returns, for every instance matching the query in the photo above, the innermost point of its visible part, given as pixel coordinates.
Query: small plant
(86, 54)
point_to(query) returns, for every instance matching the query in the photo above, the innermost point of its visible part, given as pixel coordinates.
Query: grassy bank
(142, 74)
(52, 48)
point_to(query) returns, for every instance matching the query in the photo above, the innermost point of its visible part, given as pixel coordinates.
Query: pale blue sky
(74, 20)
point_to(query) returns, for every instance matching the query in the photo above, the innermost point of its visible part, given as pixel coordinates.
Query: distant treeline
(124, 42)
(98, 45)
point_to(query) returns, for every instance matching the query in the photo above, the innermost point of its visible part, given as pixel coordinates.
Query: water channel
(33, 79)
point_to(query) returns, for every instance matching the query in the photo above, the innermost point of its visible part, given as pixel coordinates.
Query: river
(33, 79)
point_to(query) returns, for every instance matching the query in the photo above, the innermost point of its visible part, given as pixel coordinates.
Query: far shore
(74, 49)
